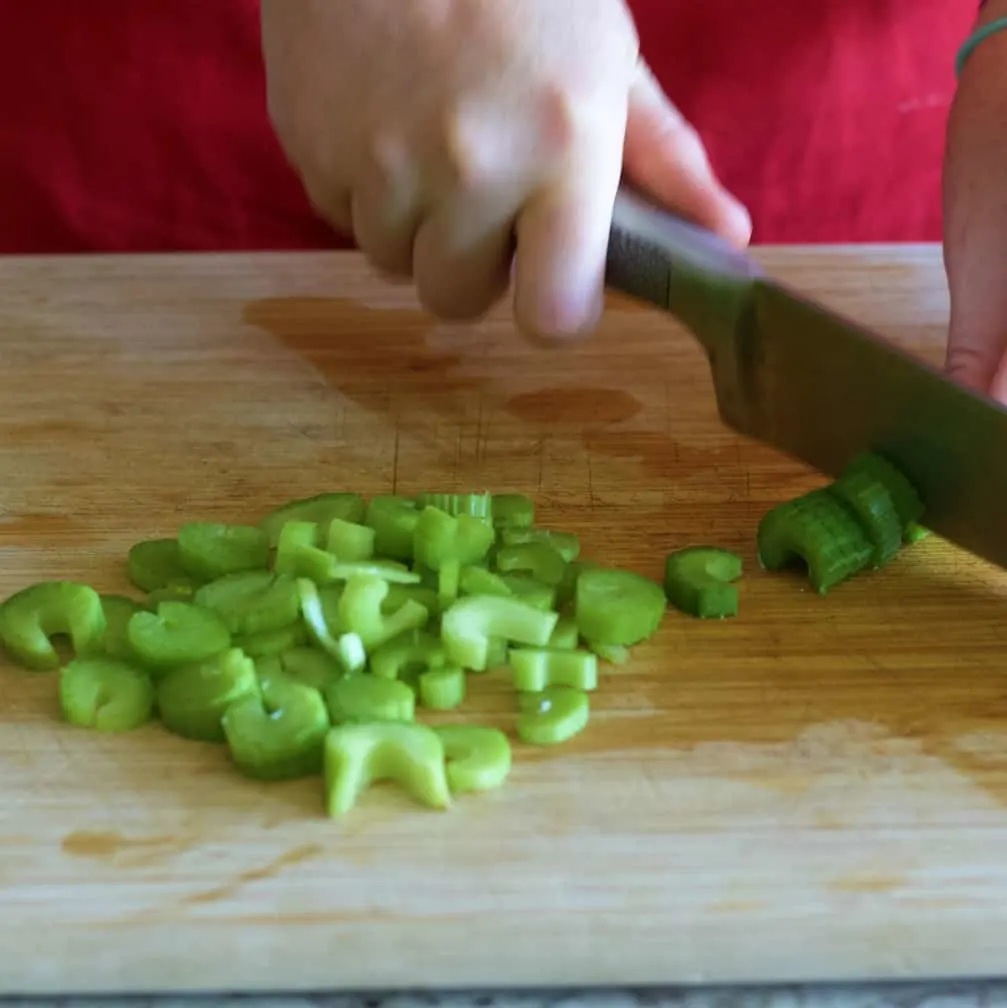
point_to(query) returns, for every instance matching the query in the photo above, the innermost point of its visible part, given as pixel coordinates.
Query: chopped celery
(820, 530)
(525, 588)
(352, 652)
(368, 698)
(174, 592)
(915, 533)
(466, 628)
(393, 520)
(513, 511)
(407, 651)
(320, 509)
(445, 544)
(315, 619)
(280, 734)
(906, 501)
(387, 570)
(272, 642)
(105, 694)
(210, 550)
(156, 563)
(179, 633)
(536, 668)
(873, 507)
(298, 555)
(496, 654)
(478, 758)
(566, 636)
(360, 612)
(118, 610)
(349, 541)
(615, 654)
(192, 699)
(698, 581)
(537, 559)
(311, 666)
(399, 594)
(615, 606)
(29, 618)
(553, 716)
(474, 505)
(357, 755)
(442, 688)
(252, 602)
(565, 544)
(474, 580)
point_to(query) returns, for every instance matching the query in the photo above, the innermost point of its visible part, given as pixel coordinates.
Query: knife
(814, 385)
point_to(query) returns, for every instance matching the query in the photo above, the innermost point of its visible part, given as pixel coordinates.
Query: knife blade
(814, 385)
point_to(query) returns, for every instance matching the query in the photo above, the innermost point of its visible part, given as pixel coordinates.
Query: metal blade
(823, 390)
(814, 385)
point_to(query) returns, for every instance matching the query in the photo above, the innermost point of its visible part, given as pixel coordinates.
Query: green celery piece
(513, 511)
(442, 688)
(553, 716)
(537, 559)
(468, 625)
(566, 590)
(156, 563)
(209, 550)
(321, 509)
(614, 606)
(820, 530)
(446, 544)
(698, 580)
(272, 642)
(496, 654)
(409, 753)
(179, 633)
(105, 694)
(474, 580)
(873, 507)
(311, 666)
(118, 610)
(527, 589)
(398, 595)
(615, 654)
(393, 519)
(192, 699)
(365, 698)
(535, 669)
(905, 498)
(478, 758)
(474, 505)
(298, 554)
(360, 612)
(566, 636)
(29, 618)
(175, 592)
(413, 650)
(279, 734)
(565, 544)
(388, 570)
(253, 602)
(350, 542)
(315, 619)
(915, 533)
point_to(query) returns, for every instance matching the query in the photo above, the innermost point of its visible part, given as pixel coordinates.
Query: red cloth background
(129, 125)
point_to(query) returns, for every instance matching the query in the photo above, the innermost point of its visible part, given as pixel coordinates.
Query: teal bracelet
(975, 39)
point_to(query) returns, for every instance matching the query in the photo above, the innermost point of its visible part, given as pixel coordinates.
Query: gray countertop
(950, 995)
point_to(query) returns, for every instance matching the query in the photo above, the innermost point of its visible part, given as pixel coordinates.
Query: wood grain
(815, 790)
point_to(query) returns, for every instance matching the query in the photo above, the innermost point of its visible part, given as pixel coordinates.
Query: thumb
(664, 157)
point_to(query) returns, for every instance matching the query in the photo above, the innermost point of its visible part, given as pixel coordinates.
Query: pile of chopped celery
(311, 643)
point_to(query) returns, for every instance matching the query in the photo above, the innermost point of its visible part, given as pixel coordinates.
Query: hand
(975, 217)
(457, 139)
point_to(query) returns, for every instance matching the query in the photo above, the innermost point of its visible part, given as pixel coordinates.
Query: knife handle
(681, 268)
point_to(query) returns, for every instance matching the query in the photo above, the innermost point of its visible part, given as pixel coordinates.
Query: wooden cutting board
(815, 790)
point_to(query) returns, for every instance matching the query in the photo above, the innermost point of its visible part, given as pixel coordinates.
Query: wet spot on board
(295, 856)
(99, 845)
